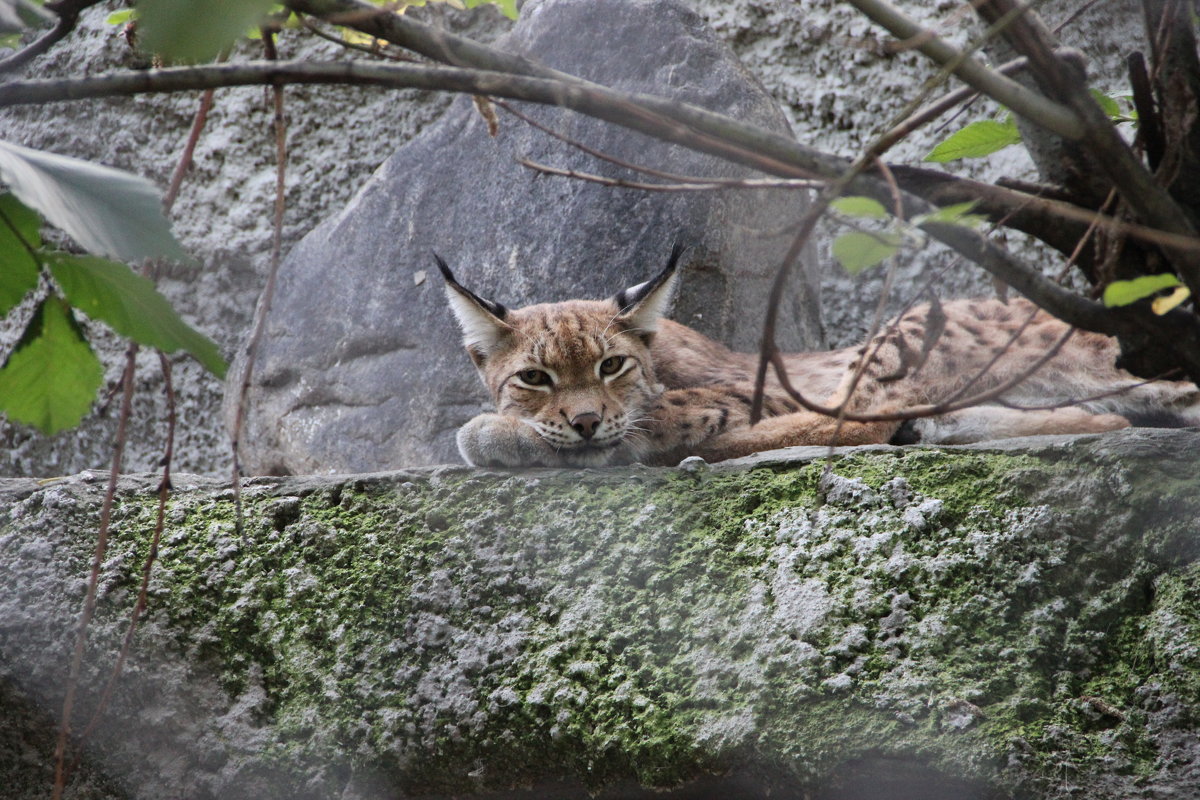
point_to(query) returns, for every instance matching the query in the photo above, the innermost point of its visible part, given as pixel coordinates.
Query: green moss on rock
(451, 631)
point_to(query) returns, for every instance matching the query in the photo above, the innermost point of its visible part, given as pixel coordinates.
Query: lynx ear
(482, 321)
(642, 306)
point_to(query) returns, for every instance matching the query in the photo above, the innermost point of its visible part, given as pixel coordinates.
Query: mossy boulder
(989, 622)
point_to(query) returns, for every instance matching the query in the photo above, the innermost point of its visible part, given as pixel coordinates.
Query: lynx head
(578, 372)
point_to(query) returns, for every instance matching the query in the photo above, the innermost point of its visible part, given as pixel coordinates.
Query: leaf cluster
(52, 375)
(983, 137)
(862, 249)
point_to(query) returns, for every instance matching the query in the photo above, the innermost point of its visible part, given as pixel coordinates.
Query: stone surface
(361, 368)
(983, 622)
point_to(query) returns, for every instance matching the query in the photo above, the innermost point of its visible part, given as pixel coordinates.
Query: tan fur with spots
(594, 383)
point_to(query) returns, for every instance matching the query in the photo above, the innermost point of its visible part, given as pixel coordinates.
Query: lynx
(594, 383)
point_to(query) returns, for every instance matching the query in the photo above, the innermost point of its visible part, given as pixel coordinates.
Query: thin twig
(164, 493)
(362, 48)
(1074, 15)
(695, 185)
(268, 293)
(932, 111)
(733, 183)
(1091, 398)
(189, 149)
(89, 602)
(928, 410)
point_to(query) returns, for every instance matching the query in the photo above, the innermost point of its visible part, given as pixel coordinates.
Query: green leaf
(957, 214)
(857, 251)
(976, 140)
(122, 16)
(1108, 104)
(195, 31)
(1122, 293)
(19, 228)
(109, 212)
(856, 206)
(115, 294)
(51, 379)
(1161, 305)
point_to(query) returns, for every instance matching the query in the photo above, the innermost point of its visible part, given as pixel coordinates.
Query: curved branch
(68, 17)
(38, 46)
(428, 40)
(1054, 116)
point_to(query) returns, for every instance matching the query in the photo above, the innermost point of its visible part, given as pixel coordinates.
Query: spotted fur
(593, 383)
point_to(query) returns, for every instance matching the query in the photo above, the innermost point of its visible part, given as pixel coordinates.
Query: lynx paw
(493, 440)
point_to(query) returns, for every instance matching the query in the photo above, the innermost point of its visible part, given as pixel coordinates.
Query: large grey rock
(1006, 621)
(361, 369)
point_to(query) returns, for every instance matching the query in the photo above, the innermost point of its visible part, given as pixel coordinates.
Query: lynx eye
(534, 377)
(611, 365)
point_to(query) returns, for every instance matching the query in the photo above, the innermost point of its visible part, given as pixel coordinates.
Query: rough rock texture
(361, 368)
(989, 622)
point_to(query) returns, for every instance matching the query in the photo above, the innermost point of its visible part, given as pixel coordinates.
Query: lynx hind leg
(493, 440)
(791, 430)
(984, 423)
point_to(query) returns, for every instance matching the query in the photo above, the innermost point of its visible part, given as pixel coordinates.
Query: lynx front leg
(498, 440)
(493, 440)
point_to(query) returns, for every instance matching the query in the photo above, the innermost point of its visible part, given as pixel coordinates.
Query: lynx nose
(586, 424)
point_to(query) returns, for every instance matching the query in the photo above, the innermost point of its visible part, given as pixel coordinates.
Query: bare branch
(268, 293)
(929, 409)
(688, 185)
(89, 602)
(733, 183)
(1053, 116)
(68, 16)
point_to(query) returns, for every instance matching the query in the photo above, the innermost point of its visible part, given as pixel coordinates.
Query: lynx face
(578, 373)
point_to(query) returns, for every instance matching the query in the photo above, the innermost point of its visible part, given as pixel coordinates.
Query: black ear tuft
(495, 309)
(445, 270)
(626, 299)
